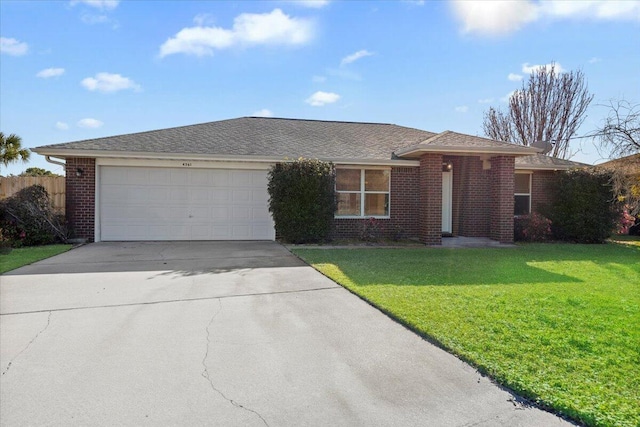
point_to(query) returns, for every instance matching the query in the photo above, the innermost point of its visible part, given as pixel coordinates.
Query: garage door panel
(158, 195)
(183, 204)
(241, 195)
(179, 177)
(241, 178)
(160, 176)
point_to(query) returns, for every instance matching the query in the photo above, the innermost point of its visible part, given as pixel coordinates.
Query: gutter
(55, 162)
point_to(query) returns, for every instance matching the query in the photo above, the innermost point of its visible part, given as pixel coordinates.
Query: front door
(447, 200)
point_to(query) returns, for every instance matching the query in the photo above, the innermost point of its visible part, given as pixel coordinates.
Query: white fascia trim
(98, 154)
(373, 162)
(151, 155)
(183, 164)
(515, 151)
(545, 168)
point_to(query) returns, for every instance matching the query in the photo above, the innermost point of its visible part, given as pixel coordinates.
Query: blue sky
(72, 70)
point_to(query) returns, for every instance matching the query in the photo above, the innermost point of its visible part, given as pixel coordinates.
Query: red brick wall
(540, 195)
(502, 191)
(430, 209)
(404, 200)
(80, 203)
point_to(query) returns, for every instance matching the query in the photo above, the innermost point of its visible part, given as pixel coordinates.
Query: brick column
(430, 207)
(81, 197)
(502, 198)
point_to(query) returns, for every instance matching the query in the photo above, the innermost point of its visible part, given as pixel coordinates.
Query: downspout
(55, 162)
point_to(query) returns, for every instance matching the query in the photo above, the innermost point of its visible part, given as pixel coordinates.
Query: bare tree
(620, 132)
(549, 107)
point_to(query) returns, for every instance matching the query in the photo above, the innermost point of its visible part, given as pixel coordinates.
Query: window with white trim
(363, 193)
(522, 202)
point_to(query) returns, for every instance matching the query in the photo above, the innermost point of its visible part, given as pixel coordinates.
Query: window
(363, 192)
(522, 205)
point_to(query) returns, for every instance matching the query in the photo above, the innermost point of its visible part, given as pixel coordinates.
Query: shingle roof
(632, 162)
(454, 139)
(454, 142)
(267, 137)
(544, 162)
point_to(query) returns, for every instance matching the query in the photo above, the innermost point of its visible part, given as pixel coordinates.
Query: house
(209, 181)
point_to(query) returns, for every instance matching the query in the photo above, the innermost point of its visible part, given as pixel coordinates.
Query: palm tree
(11, 149)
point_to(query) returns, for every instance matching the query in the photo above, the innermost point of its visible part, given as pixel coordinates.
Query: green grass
(557, 323)
(24, 256)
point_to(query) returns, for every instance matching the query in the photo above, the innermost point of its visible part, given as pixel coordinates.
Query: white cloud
(514, 77)
(321, 98)
(315, 4)
(495, 17)
(594, 60)
(98, 4)
(91, 19)
(50, 72)
(62, 126)
(203, 19)
(89, 123)
(485, 101)
(528, 69)
(319, 79)
(263, 113)
(107, 82)
(249, 29)
(13, 47)
(355, 56)
(462, 109)
(507, 96)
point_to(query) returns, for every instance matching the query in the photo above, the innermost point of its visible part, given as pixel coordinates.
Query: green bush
(584, 208)
(302, 200)
(27, 219)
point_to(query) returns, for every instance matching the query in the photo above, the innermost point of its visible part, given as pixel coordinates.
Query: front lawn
(557, 323)
(24, 256)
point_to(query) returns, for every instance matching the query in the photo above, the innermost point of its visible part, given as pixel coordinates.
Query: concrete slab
(118, 340)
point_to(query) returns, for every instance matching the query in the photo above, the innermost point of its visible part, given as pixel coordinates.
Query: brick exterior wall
(430, 211)
(404, 202)
(502, 198)
(80, 197)
(540, 195)
(482, 200)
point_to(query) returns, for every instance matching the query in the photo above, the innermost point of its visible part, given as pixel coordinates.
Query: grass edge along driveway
(20, 257)
(557, 323)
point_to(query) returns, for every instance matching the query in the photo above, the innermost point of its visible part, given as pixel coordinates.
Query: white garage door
(138, 203)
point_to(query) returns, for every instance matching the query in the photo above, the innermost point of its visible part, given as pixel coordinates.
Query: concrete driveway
(225, 334)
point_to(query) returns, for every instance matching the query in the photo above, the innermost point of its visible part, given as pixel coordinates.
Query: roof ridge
(434, 137)
(318, 120)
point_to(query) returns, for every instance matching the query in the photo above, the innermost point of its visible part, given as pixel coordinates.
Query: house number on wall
(186, 164)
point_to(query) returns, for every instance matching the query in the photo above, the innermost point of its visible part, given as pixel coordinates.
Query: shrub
(27, 219)
(625, 221)
(302, 200)
(584, 207)
(532, 228)
(372, 230)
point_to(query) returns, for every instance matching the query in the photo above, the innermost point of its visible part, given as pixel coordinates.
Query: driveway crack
(205, 373)
(29, 344)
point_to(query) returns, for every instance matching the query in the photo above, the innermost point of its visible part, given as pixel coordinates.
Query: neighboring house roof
(454, 142)
(261, 138)
(631, 162)
(544, 162)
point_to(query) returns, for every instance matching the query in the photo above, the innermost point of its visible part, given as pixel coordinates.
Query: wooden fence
(53, 184)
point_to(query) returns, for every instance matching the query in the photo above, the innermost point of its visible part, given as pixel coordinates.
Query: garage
(162, 203)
